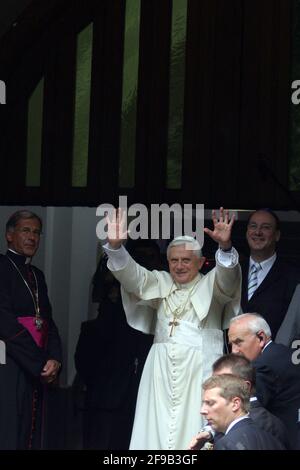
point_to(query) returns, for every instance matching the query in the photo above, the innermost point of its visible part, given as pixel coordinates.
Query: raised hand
(222, 228)
(116, 228)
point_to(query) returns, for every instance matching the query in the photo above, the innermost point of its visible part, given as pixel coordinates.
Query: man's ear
(278, 234)
(261, 335)
(236, 403)
(201, 261)
(248, 384)
(9, 237)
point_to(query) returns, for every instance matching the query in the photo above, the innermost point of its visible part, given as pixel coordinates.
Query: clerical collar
(190, 284)
(17, 257)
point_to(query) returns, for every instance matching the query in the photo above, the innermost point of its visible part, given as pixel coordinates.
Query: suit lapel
(271, 277)
(245, 270)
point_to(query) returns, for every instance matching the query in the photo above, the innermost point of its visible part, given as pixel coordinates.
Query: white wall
(67, 255)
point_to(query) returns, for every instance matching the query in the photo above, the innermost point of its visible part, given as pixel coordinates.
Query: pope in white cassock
(186, 311)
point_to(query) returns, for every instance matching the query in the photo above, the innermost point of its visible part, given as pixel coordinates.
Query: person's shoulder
(244, 423)
(258, 413)
(4, 261)
(38, 270)
(234, 439)
(89, 325)
(3, 258)
(276, 348)
(275, 356)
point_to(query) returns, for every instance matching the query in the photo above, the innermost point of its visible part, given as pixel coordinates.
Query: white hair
(186, 240)
(255, 323)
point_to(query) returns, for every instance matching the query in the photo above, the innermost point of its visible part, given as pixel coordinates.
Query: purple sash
(39, 336)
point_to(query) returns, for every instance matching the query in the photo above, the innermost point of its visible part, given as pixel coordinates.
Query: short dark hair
(21, 215)
(269, 211)
(239, 365)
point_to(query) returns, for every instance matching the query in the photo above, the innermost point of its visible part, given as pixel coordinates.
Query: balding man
(277, 375)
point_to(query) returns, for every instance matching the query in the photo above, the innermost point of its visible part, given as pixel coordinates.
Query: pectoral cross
(173, 323)
(38, 323)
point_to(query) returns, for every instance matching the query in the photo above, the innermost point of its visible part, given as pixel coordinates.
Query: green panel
(129, 93)
(176, 94)
(82, 106)
(294, 143)
(34, 135)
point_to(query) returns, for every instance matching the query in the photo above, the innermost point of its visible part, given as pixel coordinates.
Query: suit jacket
(278, 386)
(272, 297)
(246, 435)
(269, 422)
(290, 327)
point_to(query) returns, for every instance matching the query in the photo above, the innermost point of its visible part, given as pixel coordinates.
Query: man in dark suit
(241, 367)
(277, 374)
(225, 406)
(268, 283)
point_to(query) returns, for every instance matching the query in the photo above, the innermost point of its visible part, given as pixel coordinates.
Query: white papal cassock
(169, 399)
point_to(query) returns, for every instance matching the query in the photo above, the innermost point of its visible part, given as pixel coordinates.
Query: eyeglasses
(263, 227)
(27, 231)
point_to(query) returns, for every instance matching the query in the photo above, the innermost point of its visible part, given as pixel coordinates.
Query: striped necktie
(252, 280)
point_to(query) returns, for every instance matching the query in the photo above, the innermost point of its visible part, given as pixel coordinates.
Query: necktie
(252, 280)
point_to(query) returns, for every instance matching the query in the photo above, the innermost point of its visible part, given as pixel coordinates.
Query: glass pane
(294, 144)
(129, 93)
(34, 135)
(176, 94)
(82, 106)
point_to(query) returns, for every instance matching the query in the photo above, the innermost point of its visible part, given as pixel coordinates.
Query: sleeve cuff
(227, 259)
(117, 259)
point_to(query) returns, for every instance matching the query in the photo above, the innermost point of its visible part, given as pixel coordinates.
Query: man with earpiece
(277, 375)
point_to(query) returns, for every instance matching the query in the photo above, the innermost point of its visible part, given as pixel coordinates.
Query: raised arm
(228, 274)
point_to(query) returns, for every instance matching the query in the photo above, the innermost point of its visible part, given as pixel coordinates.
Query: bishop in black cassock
(33, 347)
